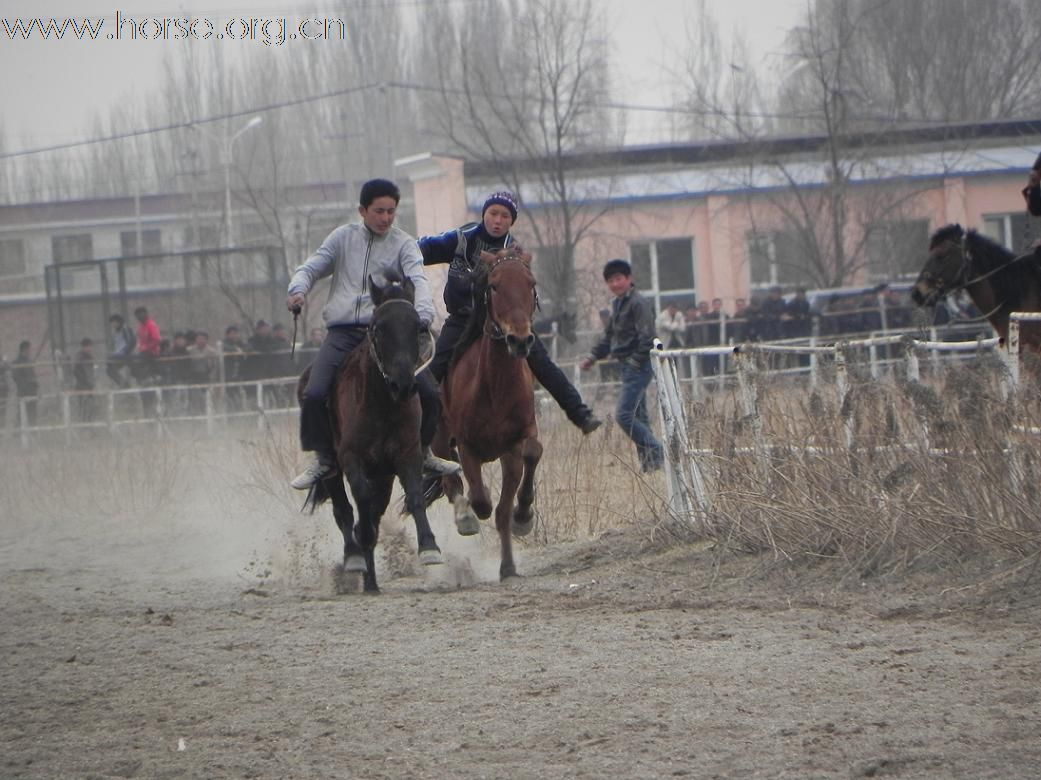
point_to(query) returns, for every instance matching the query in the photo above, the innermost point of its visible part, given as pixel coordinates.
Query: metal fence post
(747, 377)
(688, 498)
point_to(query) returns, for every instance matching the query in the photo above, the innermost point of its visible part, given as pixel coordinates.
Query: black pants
(541, 364)
(315, 430)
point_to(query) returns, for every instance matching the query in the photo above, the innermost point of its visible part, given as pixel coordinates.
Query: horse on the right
(489, 403)
(998, 281)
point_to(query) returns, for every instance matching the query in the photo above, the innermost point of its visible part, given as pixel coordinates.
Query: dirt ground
(201, 635)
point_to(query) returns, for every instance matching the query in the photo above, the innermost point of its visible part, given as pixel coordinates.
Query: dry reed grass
(899, 476)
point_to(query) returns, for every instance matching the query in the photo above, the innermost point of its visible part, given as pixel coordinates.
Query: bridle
(492, 329)
(374, 351)
(961, 280)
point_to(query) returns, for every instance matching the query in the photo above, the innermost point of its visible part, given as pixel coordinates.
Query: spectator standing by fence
(672, 327)
(148, 341)
(83, 381)
(234, 367)
(628, 338)
(124, 342)
(23, 374)
(202, 369)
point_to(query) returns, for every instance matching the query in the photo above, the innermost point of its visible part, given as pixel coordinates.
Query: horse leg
(411, 476)
(480, 500)
(377, 499)
(524, 515)
(344, 514)
(512, 470)
(465, 520)
(364, 530)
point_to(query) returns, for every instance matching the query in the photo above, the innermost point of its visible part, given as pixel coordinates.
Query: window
(1009, 230)
(896, 250)
(12, 256)
(776, 258)
(151, 243)
(664, 271)
(209, 236)
(70, 249)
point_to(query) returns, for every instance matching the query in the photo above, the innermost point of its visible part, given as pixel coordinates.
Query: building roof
(673, 171)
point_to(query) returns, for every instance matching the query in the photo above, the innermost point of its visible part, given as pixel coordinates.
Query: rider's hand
(295, 302)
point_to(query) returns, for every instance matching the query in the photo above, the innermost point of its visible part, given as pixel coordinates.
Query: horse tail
(317, 495)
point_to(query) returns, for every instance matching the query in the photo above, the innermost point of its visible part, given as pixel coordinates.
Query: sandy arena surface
(200, 634)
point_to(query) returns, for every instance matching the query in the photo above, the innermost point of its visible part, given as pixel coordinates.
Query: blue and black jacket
(461, 249)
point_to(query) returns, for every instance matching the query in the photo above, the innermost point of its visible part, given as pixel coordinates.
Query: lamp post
(226, 144)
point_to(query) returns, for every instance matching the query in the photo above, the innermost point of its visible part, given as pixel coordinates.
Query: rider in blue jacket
(461, 249)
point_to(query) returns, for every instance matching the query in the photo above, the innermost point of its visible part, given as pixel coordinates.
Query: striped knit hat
(503, 199)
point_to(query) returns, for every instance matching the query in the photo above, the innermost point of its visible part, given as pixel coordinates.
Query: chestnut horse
(489, 402)
(998, 281)
(376, 416)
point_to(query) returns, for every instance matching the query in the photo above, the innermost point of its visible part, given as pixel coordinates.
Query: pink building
(732, 219)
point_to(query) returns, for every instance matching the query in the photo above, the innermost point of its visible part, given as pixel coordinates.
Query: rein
(492, 329)
(374, 351)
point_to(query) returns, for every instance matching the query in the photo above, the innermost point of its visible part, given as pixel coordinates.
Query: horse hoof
(467, 524)
(355, 563)
(430, 557)
(523, 529)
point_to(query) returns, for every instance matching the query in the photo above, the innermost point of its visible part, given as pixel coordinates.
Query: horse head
(945, 269)
(510, 299)
(394, 335)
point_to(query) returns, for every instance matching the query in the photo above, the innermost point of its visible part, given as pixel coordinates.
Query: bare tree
(855, 72)
(719, 91)
(520, 88)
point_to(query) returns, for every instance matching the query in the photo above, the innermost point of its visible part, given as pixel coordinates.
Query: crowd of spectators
(142, 357)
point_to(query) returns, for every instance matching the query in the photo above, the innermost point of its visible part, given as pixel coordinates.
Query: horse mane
(1013, 279)
(475, 325)
(952, 232)
(397, 287)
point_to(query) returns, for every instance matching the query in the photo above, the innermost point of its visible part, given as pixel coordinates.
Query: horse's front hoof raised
(523, 522)
(431, 557)
(467, 524)
(355, 563)
(522, 529)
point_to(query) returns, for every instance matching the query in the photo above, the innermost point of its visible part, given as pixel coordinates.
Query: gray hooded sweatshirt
(352, 253)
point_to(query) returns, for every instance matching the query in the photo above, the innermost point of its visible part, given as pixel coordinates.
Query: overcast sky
(51, 88)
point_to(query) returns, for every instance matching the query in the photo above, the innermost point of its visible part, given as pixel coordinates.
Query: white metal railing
(689, 499)
(157, 406)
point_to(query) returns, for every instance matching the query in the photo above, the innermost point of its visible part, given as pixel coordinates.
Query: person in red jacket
(148, 341)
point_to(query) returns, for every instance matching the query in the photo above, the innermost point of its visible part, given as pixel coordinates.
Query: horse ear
(375, 292)
(410, 289)
(488, 258)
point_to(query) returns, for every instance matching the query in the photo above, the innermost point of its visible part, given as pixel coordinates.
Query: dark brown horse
(376, 415)
(998, 281)
(489, 403)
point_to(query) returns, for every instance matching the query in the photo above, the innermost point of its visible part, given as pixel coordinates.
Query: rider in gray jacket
(350, 254)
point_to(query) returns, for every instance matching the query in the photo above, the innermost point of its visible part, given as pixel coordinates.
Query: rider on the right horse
(1032, 193)
(460, 249)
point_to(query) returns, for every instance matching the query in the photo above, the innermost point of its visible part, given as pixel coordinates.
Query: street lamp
(226, 143)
